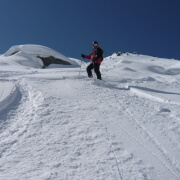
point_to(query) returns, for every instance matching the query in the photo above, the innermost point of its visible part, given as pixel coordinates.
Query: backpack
(102, 54)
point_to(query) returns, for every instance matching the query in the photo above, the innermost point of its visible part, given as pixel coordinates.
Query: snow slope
(55, 124)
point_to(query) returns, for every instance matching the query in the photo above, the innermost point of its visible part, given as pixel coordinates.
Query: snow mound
(36, 52)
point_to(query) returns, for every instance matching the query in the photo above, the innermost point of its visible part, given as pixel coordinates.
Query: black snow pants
(96, 68)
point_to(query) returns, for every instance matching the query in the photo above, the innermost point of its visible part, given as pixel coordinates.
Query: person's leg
(89, 70)
(97, 71)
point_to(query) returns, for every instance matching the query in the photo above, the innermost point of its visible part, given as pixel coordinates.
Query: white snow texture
(56, 123)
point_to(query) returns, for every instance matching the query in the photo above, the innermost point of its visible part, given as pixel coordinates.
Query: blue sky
(150, 27)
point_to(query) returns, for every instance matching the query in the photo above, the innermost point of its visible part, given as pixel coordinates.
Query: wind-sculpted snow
(161, 70)
(8, 94)
(56, 123)
(30, 55)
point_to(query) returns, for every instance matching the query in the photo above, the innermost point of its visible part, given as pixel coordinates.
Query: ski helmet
(95, 42)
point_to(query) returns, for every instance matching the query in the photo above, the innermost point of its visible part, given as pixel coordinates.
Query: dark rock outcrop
(52, 60)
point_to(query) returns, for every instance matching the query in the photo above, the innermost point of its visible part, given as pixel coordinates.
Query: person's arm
(87, 56)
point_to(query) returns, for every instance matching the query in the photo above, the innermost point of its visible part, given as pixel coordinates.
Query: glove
(83, 56)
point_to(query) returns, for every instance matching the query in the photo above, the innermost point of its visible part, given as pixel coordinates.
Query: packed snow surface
(55, 123)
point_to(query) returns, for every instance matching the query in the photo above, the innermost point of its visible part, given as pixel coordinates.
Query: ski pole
(80, 68)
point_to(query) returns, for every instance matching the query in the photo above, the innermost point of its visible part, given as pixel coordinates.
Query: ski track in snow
(78, 142)
(96, 132)
(153, 146)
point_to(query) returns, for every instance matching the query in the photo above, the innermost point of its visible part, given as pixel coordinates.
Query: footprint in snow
(161, 110)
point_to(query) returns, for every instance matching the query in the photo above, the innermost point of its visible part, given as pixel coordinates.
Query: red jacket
(96, 55)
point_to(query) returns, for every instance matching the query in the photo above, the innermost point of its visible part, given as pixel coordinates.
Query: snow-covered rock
(36, 52)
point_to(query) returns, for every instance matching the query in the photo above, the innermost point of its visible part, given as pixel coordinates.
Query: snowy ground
(57, 125)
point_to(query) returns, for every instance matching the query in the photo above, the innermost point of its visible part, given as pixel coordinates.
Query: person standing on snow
(96, 56)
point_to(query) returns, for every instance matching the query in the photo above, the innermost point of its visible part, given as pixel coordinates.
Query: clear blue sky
(150, 27)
